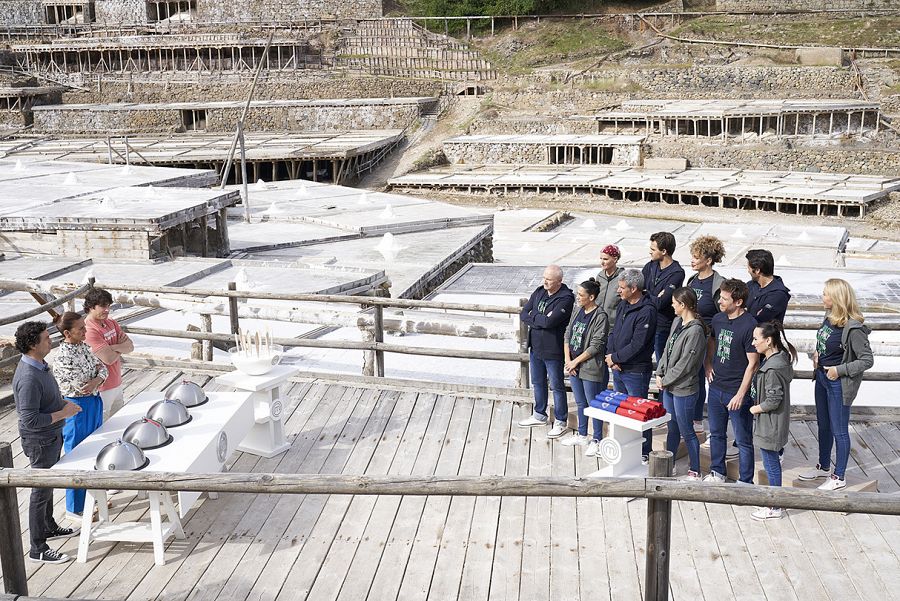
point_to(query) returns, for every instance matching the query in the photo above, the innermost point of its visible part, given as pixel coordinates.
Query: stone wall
(785, 5)
(778, 156)
(523, 154)
(120, 11)
(491, 124)
(21, 12)
(286, 10)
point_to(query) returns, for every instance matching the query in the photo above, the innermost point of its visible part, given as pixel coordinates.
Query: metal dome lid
(147, 434)
(169, 412)
(189, 393)
(121, 455)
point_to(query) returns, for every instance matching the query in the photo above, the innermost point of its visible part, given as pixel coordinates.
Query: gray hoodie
(595, 344)
(857, 358)
(772, 387)
(682, 358)
(608, 298)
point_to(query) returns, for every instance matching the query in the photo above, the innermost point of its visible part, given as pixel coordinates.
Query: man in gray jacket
(42, 412)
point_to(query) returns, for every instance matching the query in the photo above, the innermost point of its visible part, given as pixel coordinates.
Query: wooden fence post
(233, 310)
(659, 531)
(379, 337)
(522, 337)
(206, 326)
(12, 557)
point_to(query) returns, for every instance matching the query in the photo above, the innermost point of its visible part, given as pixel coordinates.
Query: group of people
(60, 405)
(716, 342)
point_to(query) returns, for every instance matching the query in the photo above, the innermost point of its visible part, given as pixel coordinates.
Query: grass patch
(610, 84)
(869, 31)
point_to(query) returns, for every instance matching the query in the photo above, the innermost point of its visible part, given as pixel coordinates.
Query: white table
(201, 445)
(266, 438)
(621, 448)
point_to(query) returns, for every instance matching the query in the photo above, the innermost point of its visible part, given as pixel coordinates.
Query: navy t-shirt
(828, 344)
(706, 302)
(578, 332)
(734, 339)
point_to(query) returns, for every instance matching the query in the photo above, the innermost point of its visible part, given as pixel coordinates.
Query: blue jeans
(659, 341)
(43, 453)
(681, 426)
(741, 422)
(635, 384)
(77, 428)
(834, 422)
(584, 391)
(701, 394)
(772, 463)
(543, 370)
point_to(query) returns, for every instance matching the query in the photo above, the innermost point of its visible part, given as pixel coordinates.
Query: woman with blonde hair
(842, 355)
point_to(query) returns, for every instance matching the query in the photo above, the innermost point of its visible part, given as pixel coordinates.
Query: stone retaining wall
(785, 5)
(120, 11)
(21, 12)
(523, 154)
(490, 124)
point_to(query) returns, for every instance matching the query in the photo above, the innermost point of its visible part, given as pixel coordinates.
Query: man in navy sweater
(768, 296)
(547, 314)
(662, 276)
(630, 345)
(42, 412)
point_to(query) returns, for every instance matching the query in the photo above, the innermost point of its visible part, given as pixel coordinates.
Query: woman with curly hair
(706, 251)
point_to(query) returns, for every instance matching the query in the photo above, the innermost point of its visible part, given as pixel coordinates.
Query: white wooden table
(201, 445)
(266, 438)
(621, 448)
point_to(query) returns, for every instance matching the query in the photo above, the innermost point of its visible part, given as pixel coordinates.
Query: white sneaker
(698, 427)
(705, 443)
(558, 429)
(574, 440)
(531, 421)
(713, 477)
(767, 513)
(593, 449)
(731, 452)
(645, 459)
(691, 476)
(833, 483)
(814, 474)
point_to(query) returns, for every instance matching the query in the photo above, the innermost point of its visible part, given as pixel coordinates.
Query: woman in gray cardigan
(842, 355)
(584, 350)
(676, 375)
(771, 393)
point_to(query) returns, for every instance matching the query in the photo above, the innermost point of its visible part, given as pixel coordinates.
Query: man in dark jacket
(630, 346)
(662, 276)
(768, 296)
(42, 412)
(547, 314)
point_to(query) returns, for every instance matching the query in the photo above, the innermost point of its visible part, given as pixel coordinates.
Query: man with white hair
(547, 314)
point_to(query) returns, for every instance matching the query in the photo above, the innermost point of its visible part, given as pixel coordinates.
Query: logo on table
(276, 409)
(222, 447)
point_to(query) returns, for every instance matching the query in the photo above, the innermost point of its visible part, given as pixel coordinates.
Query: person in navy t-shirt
(662, 276)
(731, 361)
(768, 296)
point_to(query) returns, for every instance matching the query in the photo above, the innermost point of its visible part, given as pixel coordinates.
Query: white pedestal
(621, 448)
(266, 437)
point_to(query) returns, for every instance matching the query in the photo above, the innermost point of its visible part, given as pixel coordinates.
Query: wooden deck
(350, 548)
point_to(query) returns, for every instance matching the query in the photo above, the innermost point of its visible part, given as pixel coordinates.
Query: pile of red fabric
(629, 406)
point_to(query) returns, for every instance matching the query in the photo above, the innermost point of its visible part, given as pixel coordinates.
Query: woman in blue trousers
(79, 374)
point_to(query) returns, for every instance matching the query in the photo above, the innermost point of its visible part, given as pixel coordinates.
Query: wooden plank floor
(266, 547)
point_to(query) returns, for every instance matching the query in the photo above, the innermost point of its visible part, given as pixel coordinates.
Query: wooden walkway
(247, 546)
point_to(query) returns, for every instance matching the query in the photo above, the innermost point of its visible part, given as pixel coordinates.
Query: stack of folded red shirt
(628, 406)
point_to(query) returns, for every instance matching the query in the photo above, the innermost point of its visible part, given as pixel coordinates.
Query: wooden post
(233, 310)
(206, 326)
(244, 188)
(379, 337)
(659, 531)
(524, 379)
(12, 557)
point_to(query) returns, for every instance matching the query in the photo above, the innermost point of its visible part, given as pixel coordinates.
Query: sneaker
(833, 483)
(574, 440)
(691, 476)
(767, 513)
(593, 449)
(61, 532)
(531, 421)
(645, 459)
(558, 429)
(49, 556)
(732, 452)
(74, 517)
(814, 473)
(713, 477)
(705, 443)
(698, 427)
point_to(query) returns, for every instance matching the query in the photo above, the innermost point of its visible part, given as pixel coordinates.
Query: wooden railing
(657, 489)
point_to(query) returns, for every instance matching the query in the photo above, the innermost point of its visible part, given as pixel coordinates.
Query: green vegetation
(462, 8)
(859, 32)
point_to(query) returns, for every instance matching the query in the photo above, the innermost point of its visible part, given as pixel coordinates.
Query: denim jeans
(635, 384)
(584, 391)
(741, 423)
(681, 408)
(834, 421)
(543, 370)
(42, 452)
(772, 462)
(701, 394)
(77, 428)
(659, 342)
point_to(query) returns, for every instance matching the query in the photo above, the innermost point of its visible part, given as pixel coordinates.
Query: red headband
(612, 250)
